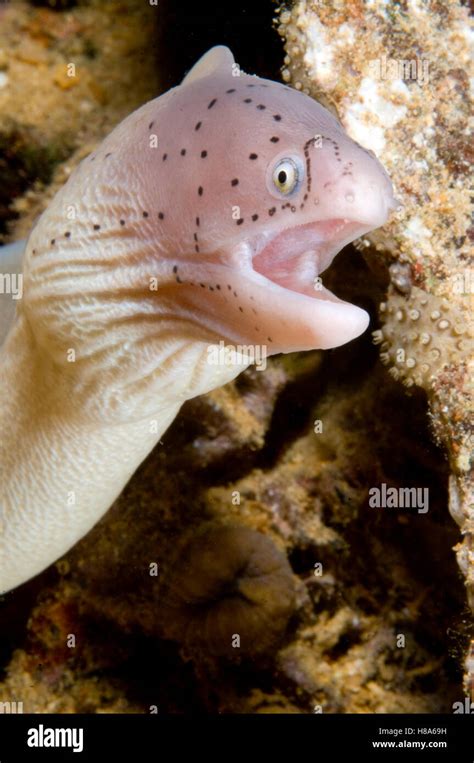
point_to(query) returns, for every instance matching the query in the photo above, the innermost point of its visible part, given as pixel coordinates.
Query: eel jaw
(263, 292)
(291, 263)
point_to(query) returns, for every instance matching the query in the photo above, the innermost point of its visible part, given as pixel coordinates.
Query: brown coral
(421, 336)
(229, 591)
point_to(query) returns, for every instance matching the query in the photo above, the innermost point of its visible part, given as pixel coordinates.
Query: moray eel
(206, 216)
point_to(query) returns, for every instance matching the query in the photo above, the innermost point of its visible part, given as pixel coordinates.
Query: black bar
(142, 738)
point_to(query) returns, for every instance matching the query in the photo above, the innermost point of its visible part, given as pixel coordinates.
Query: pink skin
(271, 260)
(170, 237)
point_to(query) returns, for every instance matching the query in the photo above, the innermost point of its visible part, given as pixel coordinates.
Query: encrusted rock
(397, 75)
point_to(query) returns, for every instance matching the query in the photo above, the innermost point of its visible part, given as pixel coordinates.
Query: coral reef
(420, 336)
(397, 75)
(63, 87)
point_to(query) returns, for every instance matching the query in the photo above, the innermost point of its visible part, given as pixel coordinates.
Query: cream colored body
(58, 475)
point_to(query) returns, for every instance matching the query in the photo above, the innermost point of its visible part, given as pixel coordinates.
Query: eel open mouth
(300, 313)
(267, 289)
(296, 257)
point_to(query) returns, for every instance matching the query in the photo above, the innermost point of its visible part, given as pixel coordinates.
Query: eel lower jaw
(266, 290)
(297, 311)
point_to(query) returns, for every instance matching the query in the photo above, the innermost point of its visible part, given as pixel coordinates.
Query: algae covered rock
(397, 75)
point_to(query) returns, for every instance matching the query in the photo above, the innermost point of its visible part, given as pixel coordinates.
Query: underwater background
(381, 619)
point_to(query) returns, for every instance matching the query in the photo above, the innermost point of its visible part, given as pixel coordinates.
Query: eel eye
(286, 176)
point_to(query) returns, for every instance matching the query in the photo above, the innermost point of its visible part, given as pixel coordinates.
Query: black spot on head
(183, 151)
(107, 155)
(197, 221)
(240, 221)
(247, 100)
(122, 222)
(145, 214)
(203, 154)
(211, 288)
(274, 139)
(261, 107)
(175, 269)
(254, 217)
(253, 156)
(160, 215)
(218, 286)
(202, 285)
(96, 227)
(272, 211)
(200, 190)
(241, 309)
(195, 237)
(211, 104)
(229, 287)
(196, 248)
(197, 125)
(34, 251)
(67, 234)
(150, 125)
(232, 90)
(269, 339)
(53, 241)
(250, 85)
(277, 117)
(235, 181)
(164, 157)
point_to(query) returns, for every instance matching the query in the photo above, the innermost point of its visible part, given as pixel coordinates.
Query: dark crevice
(246, 27)
(15, 611)
(24, 160)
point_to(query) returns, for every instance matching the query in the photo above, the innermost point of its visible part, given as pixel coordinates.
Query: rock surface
(397, 75)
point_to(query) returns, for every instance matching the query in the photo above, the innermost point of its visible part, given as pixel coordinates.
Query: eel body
(203, 220)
